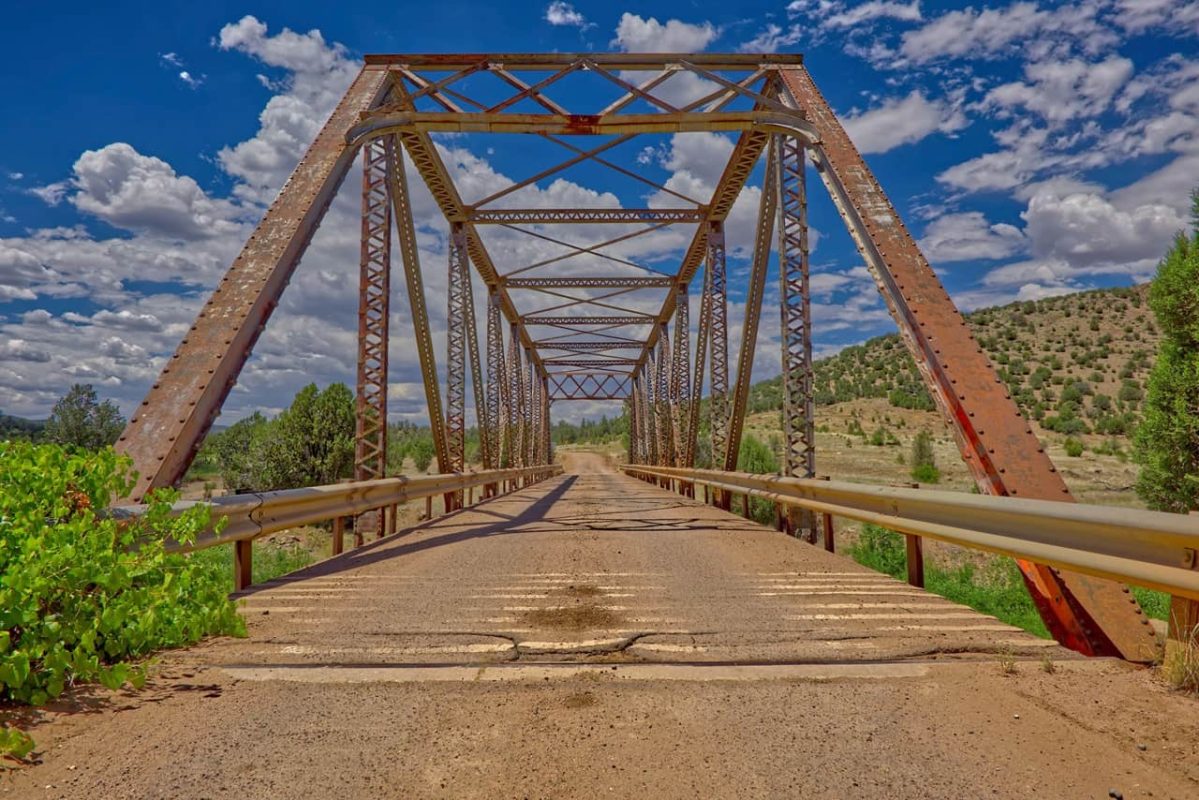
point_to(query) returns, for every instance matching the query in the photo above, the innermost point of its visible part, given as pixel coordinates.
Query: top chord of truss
(444, 62)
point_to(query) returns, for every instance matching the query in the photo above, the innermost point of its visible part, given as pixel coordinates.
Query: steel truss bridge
(614, 328)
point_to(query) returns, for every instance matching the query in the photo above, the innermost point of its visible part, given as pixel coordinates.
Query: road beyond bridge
(592, 635)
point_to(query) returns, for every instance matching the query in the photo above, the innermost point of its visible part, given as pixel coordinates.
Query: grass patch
(996, 589)
(269, 562)
(1155, 604)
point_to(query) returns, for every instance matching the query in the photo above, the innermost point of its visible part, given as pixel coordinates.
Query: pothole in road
(582, 617)
(581, 590)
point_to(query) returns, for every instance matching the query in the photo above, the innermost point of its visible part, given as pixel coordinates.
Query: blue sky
(1033, 148)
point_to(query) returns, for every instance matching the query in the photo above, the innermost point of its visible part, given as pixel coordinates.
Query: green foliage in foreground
(1167, 442)
(995, 588)
(82, 597)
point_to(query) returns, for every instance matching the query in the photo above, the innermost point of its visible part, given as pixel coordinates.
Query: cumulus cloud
(143, 194)
(1059, 91)
(562, 13)
(900, 121)
(968, 236)
(638, 34)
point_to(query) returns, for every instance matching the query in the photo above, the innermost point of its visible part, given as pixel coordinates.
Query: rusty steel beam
(495, 381)
(799, 405)
(476, 376)
(587, 283)
(716, 287)
(589, 386)
(524, 62)
(1093, 616)
(662, 395)
(680, 375)
(753, 314)
(165, 431)
(545, 216)
(591, 362)
(703, 333)
(410, 257)
(455, 413)
(374, 300)
(582, 347)
(613, 321)
(799, 445)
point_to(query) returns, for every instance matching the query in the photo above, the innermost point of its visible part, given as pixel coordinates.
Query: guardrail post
(915, 554)
(429, 507)
(339, 535)
(243, 564)
(1182, 633)
(827, 526)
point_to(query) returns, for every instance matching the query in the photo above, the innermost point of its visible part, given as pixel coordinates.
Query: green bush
(924, 465)
(82, 596)
(1073, 447)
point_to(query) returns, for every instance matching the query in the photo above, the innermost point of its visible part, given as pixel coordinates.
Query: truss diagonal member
(628, 87)
(753, 312)
(582, 250)
(495, 381)
(581, 347)
(455, 414)
(374, 293)
(718, 332)
(397, 182)
(745, 155)
(628, 173)
(529, 91)
(1091, 615)
(533, 408)
(165, 432)
(580, 156)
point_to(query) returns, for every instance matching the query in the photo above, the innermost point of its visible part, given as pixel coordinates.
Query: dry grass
(1181, 664)
(1007, 661)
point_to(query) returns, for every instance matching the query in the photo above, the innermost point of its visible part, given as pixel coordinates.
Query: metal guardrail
(249, 516)
(1145, 548)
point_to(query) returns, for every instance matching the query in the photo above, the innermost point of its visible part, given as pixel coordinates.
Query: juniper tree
(1167, 441)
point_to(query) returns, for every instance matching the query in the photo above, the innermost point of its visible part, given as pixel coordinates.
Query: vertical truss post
(455, 413)
(547, 445)
(718, 334)
(476, 375)
(496, 381)
(649, 383)
(663, 396)
(680, 378)
(374, 296)
(397, 184)
(630, 415)
(370, 457)
(799, 437)
(753, 310)
(531, 409)
(516, 406)
(642, 420)
(702, 335)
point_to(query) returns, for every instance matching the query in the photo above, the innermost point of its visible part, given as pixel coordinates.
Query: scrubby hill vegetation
(1075, 363)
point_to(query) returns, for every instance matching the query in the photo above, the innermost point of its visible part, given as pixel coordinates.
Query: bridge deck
(589, 564)
(594, 635)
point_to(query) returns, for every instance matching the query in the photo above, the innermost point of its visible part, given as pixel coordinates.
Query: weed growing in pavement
(1047, 665)
(1007, 661)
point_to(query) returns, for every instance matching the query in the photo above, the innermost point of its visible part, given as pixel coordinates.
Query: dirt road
(593, 636)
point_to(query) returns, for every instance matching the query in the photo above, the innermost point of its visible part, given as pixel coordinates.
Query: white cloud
(991, 33)
(191, 80)
(562, 13)
(856, 15)
(1060, 91)
(900, 121)
(143, 194)
(51, 194)
(772, 38)
(637, 34)
(969, 236)
(1172, 16)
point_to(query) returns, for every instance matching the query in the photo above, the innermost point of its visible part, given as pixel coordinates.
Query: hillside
(1075, 363)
